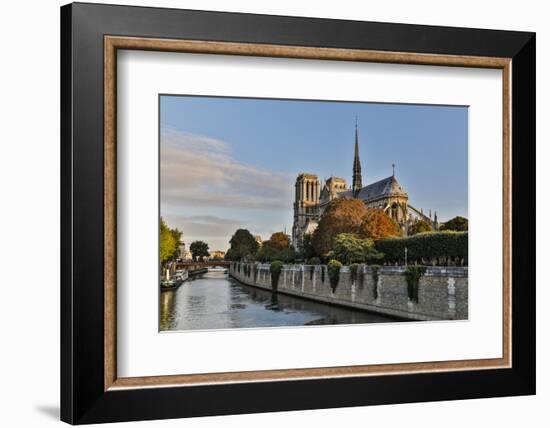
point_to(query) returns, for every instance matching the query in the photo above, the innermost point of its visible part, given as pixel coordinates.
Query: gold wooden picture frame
(114, 43)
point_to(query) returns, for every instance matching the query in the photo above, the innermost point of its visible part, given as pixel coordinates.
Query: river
(216, 301)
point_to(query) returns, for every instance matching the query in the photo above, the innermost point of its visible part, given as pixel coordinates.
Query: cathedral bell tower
(306, 205)
(357, 181)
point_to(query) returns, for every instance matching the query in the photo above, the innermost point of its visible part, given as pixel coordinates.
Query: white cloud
(198, 171)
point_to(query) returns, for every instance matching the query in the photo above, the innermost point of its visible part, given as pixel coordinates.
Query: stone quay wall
(442, 291)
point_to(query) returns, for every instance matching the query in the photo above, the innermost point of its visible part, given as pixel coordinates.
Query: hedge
(427, 246)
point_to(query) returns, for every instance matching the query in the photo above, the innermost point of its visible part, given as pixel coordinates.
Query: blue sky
(231, 162)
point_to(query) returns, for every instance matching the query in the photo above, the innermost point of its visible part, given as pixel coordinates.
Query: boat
(174, 281)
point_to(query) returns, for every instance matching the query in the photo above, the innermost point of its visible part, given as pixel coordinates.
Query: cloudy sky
(228, 163)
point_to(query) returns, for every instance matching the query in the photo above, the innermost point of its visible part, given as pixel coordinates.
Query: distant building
(258, 239)
(217, 254)
(182, 250)
(311, 199)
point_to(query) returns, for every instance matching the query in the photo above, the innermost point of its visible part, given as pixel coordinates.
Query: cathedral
(311, 199)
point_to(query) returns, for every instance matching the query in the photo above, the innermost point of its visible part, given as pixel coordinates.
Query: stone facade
(312, 198)
(442, 291)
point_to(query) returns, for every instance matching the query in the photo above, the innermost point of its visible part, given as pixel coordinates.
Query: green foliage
(420, 226)
(425, 246)
(275, 268)
(314, 261)
(199, 250)
(276, 248)
(306, 250)
(243, 246)
(348, 248)
(374, 270)
(169, 242)
(459, 224)
(334, 267)
(268, 253)
(353, 272)
(412, 275)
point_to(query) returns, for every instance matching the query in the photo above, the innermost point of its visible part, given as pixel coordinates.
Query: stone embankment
(442, 291)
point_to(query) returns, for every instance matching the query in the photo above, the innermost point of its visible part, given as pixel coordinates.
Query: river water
(216, 301)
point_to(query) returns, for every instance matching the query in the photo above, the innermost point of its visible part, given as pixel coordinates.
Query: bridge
(191, 265)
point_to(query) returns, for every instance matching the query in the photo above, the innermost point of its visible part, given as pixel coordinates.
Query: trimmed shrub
(314, 261)
(425, 247)
(412, 275)
(275, 268)
(334, 267)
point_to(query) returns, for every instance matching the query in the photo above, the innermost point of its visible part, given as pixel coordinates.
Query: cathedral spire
(357, 184)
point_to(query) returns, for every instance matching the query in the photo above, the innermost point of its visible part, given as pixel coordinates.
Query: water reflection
(215, 301)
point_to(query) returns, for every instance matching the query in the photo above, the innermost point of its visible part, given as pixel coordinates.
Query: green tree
(306, 250)
(348, 248)
(276, 248)
(169, 240)
(242, 246)
(420, 226)
(199, 250)
(458, 224)
(168, 243)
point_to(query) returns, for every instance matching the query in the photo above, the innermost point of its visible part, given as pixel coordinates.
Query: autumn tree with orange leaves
(377, 224)
(344, 215)
(279, 240)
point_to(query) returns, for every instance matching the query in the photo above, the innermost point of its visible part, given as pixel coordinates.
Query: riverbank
(442, 291)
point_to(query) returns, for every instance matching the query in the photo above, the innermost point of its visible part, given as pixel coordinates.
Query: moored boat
(174, 281)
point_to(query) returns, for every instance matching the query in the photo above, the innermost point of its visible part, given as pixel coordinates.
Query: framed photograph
(267, 213)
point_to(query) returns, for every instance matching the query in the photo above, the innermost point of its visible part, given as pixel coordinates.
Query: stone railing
(442, 291)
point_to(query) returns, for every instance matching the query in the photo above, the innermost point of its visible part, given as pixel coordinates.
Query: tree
(348, 248)
(342, 215)
(306, 250)
(242, 246)
(279, 240)
(168, 243)
(420, 226)
(459, 224)
(376, 224)
(199, 250)
(276, 248)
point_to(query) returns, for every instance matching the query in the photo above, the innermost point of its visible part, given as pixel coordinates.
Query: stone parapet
(442, 291)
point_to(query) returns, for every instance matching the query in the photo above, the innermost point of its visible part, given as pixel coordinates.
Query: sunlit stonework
(311, 199)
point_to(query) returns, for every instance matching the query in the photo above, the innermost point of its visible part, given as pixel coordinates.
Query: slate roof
(386, 187)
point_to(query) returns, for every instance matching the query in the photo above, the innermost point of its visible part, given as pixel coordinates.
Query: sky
(229, 163)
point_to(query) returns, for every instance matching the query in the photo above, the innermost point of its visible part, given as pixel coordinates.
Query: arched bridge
(191, 265)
